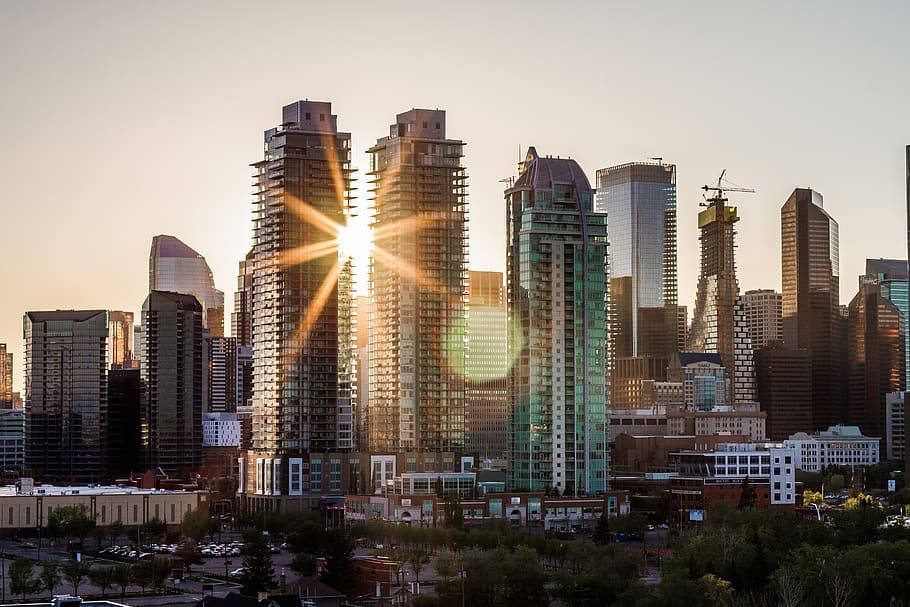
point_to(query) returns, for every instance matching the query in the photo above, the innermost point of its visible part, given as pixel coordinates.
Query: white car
(236, 572)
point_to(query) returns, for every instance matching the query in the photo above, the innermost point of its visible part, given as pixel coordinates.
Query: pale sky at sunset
(123, 120)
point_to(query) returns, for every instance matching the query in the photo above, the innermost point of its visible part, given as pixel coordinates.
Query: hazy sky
(122, 120)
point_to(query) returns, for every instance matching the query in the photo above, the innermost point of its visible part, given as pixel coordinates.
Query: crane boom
(720, 188)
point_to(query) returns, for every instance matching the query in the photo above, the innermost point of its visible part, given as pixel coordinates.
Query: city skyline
(126, 127)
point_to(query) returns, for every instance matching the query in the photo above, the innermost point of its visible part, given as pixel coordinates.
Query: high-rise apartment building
(172, 382)
(302, 378)
(222, 375)
(557, 294)
(175, 267)
(891, 275)
(66, 366)
(875, 359)
(6, 378)
(719, 323)
(487, 366)
(810, 277)
(242, 316)
(417, 287)
(763, 315)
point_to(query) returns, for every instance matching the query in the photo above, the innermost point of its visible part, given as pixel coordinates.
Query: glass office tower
(66, 367)
(891, 275)
(557, 295)
(639, 200)
(175, 267)
(810, 295)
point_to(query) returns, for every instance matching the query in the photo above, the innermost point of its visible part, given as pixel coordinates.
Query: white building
(220, 430)
(837, 446)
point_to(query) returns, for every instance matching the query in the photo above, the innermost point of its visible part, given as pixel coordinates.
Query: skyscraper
(639, 200)
(763, 314)
(891, 275)
(123, 443)
(810, 278)
(172, 382)
(784, 380)
(121, 339)
(66, 366)
(6, 378)
(487, 366)
(175, 267)
(875, 359)
(242, 316)
(222, 375)
(417, 287)
(556, 261)
(302, 389)
(719, 323)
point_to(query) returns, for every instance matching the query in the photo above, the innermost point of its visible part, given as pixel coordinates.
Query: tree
(258, 572)
(71, 522)
(197, 524)
(339, 561)
(601, 533)
(155, 529)
(75, 572)
(189, 553)
(416, 559)
(115, 530)
(50, 576)
(103, 578)
(454, 513)
(304, 564)
(446, 565)
(122, 576)
(158, 571)
(747, 496)
(21, 577)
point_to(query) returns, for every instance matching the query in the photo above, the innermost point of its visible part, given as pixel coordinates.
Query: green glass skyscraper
(557, 292)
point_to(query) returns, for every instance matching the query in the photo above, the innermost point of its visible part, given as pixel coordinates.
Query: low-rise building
(27, 506)
(837, 446)
(707, 478)
(742, 418)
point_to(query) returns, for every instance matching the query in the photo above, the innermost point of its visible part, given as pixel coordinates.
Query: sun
(356, 240)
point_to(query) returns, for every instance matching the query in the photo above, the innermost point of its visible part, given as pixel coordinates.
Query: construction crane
(720, 188)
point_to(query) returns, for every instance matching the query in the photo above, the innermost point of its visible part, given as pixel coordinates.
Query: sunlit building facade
(719, 322)
(175, 267)
(121, 339)
(6, 378)
(242, 316)
(810, 292)
(487, 365)
(875, 357)
(763, 314)
(173, 377)
(417, 287)
(557, 295)
(891, 274)
(302, 373)
(66, 366)
(221, 396)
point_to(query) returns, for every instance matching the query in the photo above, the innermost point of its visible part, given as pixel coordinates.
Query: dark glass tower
(66, 366)
(6, 378)
(418, 284)
(810, 277)
(172, 383)
(557, 295)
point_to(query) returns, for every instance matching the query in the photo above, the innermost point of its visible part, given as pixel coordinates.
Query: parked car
(236, 572)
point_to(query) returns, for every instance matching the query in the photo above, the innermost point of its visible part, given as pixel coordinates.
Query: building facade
(12, 439)
(639, 200)
(222, 375)
(487, 365)
(302, 387)
(784, 380)
(763, 314)
(895, 448)
(719, 323)
(844, 446)
(66, 366)
(417, 287)
(6, 378)
(123, 439)
(242, 316)
(557, 294)
(876, 357)
(175, 267)
(810, 279)
(172, 375)
(121, 339)
(891, 275)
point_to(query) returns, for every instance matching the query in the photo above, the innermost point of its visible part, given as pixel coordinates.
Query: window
(321, 117)
(135, 513)
(307, 116)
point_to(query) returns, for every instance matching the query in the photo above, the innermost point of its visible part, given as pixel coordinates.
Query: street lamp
(227, 563)
(462, 574)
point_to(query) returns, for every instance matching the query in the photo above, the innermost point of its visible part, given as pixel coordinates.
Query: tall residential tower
(557, 295)
(417, 287)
